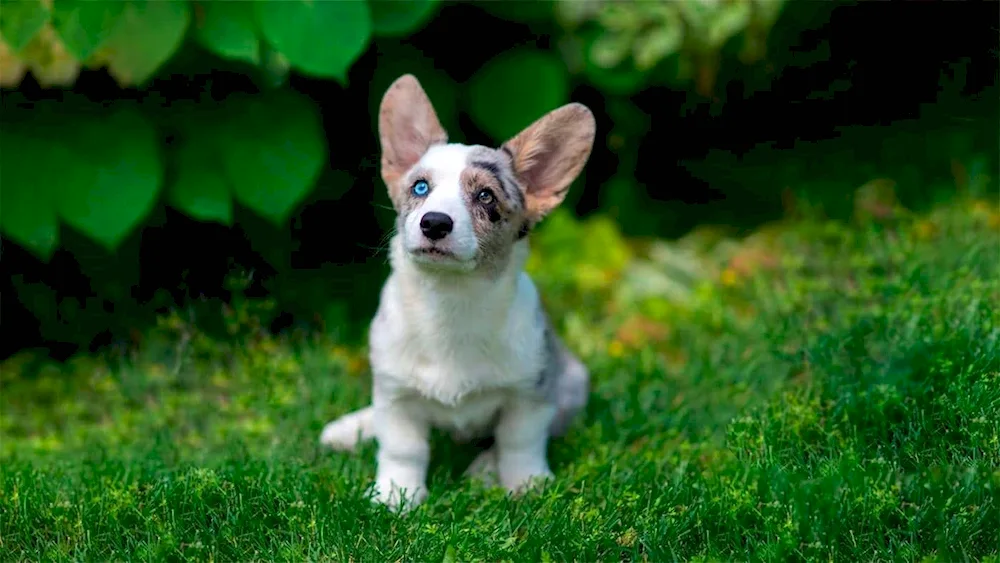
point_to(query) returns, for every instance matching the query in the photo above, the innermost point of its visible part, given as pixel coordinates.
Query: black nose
(436, 225)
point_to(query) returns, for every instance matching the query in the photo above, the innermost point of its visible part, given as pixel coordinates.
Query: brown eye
(485, 197)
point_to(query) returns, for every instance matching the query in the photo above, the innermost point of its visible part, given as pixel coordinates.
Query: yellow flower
(983, 208)
(339, 352)
(729, 277)
(268, 345)
(357, 365)
(988, 211)
(925, 229)
(616, 349)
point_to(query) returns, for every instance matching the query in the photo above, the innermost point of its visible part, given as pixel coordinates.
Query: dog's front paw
(399, 498)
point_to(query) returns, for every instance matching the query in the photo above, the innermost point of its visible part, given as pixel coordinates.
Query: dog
(460, 340)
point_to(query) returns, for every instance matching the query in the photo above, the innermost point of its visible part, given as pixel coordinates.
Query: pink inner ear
(540, 172)
(550, 153)
(408, 126)
(410, 146)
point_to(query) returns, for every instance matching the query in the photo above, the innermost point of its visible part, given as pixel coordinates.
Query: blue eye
(420, 188)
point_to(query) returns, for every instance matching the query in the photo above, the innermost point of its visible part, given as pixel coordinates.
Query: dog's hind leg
(568, 386)
(484, 468)
(346, 432)
(571, 389)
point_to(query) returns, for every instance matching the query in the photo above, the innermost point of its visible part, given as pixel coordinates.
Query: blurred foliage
(271, 148)
(623, 42)
(54, 39)
(541, 85)
(636, 287)
(84, 167)
(102, 174)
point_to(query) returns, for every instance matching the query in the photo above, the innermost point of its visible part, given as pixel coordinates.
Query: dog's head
(461, 207)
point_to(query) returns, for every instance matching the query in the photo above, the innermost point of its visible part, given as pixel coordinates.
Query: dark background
(833, 70)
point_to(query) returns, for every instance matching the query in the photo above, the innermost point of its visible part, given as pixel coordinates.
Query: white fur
(345, 432)
(455, 352)
(444, 164)
(449, 337)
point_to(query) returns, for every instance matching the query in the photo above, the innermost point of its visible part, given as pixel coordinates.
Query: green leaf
(198, 186)
(274, 67)
(273, 151)
(84, 25)
(115, 183)
(655, 45)
(516, 88)
(623, 18)
(228, 29)
(322, 39)
(765, 12)
(610, 49)
(29, 167)
(20, 21)
(400, 17)
(623, 79)
(728, 21)
(145, 36)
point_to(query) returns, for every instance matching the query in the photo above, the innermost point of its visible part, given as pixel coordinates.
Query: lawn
(817, 390)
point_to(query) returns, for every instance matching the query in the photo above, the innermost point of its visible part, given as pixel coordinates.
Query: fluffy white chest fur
(455, 349)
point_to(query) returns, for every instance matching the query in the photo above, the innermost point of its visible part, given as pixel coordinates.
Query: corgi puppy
(460, 340)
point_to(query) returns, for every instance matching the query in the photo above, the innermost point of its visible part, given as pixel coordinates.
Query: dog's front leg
(522, 435)
(403, 455)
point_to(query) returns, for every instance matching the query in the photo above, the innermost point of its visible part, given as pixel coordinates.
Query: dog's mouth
(436, 258)
(434, 252)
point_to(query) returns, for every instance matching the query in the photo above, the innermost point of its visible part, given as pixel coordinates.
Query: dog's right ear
(407, 127)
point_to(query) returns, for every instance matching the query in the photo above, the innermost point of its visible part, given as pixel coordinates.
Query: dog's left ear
(549, 154)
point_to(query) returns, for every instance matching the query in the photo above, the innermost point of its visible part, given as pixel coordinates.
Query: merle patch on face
(498, 214)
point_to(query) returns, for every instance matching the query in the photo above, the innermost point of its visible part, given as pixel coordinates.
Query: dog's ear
(549, 154)
(407, 127)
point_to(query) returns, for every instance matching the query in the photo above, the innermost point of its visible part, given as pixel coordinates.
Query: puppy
(460, 340)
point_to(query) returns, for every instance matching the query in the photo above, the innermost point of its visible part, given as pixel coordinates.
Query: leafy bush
(621, 42)
(54, 39)
(116, 114)
(102, 174)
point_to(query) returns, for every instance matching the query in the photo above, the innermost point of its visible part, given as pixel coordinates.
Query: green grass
(817, 391)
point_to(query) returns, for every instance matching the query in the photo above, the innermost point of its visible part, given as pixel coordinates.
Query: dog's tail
(346, 432)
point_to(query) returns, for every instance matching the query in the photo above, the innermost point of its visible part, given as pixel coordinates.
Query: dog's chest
(461, 383)
(450, 365)
(452, 352)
